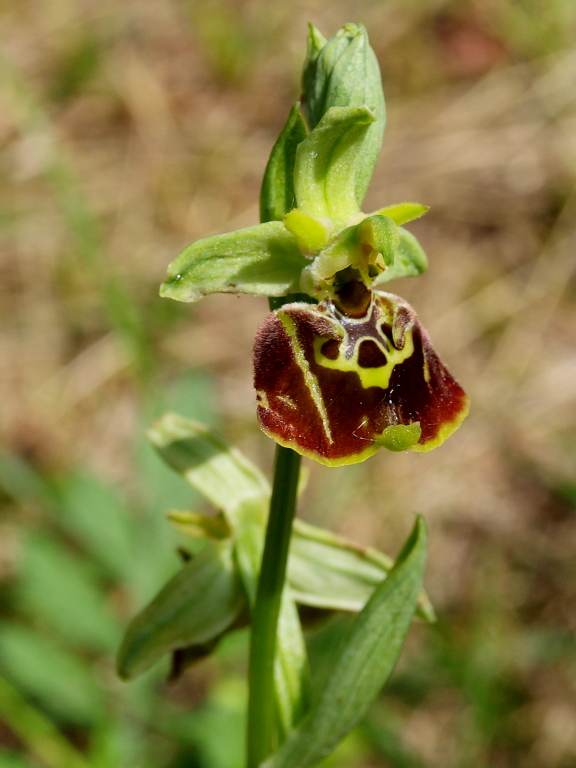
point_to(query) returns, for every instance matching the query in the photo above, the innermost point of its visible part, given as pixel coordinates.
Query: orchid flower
(341, 368)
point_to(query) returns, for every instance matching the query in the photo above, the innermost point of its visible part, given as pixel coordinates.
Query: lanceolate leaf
(363, 662)
(326, 164)
(324, 570)
(291, 672)
(277, 195)
(196, 607)
(235, 485)
(208, 463)
(263, 260)
(330, 572)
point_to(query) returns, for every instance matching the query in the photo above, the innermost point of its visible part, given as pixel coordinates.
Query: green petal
(311, 234)
(401, 213)
(343, 251)
(197, 606)
(344, 72)
(263, 260)
(358, 246)
(363, 662)
(277, 195)
(382, 234)
(326, 164)
(409, 259)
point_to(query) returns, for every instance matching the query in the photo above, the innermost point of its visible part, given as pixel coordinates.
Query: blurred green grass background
(127, 130)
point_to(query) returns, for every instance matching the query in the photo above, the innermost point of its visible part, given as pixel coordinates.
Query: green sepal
(263, 260)
(314, 77)
(326, 164)
(409, 259)
(277, 195)
(362, 663)
(196, 607)
(344, 72)
(402, 213)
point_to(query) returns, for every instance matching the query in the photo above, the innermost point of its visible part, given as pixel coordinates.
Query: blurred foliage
(126, 132)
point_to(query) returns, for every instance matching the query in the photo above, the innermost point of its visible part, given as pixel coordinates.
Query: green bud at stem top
(344, 72)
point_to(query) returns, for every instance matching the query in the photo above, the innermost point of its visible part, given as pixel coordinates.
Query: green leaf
(210, 464)
(59, 681)
(291, 673)
(62, 589)
(197, 606)
(344, 72)
(326, 164)
(330, 572)
(401, 213)
(235, 485)
(277, 195)
(409, 259)
(263, 260)
(364, 661)
(324, 570)
(327, 572)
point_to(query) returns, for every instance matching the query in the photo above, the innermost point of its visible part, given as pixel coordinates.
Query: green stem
(262, 730)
